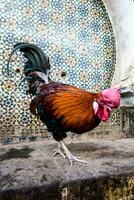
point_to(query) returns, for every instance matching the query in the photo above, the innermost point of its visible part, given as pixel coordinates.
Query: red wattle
(103, 113)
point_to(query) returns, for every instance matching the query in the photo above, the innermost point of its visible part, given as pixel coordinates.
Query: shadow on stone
(16, 153)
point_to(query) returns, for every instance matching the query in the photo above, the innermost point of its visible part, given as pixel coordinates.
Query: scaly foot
(65, 153)
(58, 151)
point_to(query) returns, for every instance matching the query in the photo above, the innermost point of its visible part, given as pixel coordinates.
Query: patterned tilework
(77, 36)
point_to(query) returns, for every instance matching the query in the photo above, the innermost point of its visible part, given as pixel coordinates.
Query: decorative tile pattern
(76, 35)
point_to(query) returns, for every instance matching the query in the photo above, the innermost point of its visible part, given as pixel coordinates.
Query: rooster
(62, 107)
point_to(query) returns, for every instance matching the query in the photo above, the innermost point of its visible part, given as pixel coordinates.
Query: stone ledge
(29, 172)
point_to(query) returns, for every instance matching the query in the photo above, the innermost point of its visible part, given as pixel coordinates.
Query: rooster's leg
(58, 150)
(69, 155)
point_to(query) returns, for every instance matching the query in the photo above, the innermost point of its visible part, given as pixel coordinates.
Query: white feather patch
(95, 107)
(44, 77)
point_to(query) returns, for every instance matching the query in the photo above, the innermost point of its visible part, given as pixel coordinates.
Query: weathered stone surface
(127, 94)
(121, 13)
(29, 172)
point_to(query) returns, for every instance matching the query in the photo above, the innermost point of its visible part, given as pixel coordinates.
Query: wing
(70, 106)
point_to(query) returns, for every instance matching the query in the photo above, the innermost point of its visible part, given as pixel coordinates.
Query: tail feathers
(37, 60)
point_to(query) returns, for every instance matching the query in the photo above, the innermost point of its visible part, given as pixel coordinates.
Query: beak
(109, 108)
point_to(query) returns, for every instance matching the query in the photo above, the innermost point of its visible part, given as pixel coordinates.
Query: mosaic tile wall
(77, 36)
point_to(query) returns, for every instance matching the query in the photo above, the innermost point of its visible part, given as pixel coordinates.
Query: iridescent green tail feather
(37, 60)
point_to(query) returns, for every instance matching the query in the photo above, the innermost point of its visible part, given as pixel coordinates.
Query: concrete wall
(122, 17)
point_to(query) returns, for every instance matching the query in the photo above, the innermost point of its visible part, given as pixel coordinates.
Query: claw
(76, 159)
(69, 155)
(65, 153)
(58, 151)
